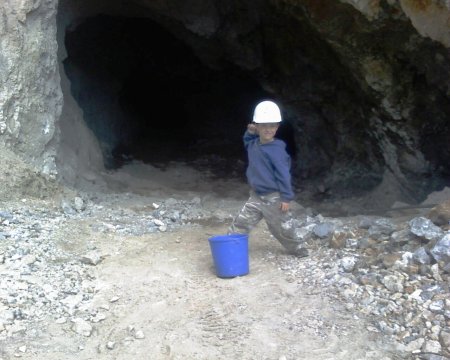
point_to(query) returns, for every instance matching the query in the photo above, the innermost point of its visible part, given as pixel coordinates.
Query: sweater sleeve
(248, 138)
(281, 165)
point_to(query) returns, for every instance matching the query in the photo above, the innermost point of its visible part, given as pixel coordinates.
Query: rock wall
(365, 84)
(402, 75)
(30, 94)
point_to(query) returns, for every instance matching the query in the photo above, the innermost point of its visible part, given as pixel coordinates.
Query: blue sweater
(268, 167)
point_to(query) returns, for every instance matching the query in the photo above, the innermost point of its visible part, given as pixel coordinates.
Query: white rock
(82, 327)
(99, 317)
(415, 345)
(435, 272)
(91, 258)
(348, 263)
(393, 283)
(139, 334)
(431, 346)
(61, 320)
(110, 345)
(71, 302)
(28, 260)
(78, 204)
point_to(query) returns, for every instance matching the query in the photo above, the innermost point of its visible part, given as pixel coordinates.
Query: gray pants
(267, 207)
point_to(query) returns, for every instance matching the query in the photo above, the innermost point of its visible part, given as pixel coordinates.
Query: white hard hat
(266, 112)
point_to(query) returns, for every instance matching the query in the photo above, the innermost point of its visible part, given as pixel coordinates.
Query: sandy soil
(166, 287)
(161, 299)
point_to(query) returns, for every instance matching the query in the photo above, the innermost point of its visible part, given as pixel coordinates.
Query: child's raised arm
(251, 128)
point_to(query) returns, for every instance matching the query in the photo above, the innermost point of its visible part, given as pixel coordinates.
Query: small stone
(435, 272)
(338, 240)
(411, 269)
(139, 334)
(437, 306)
(440, 214)
(114, 299)
(91, 258)
(78, 204)
(441, 251)
(431, 346)
(110, 345)
(82, 327)
(369, 279)
(28, 260)
(61, 320)
(99, 317)
(401, 237)
(72, 302)
(393, 283)
(67, 207)
(389, 260)
(352, 243)
(6, 215)
(444, 338)
(415, 345)
(323, 230)
(421, 256)
(23, 349)
(348, 264)
(424, 228)
(381, 227)
(7, 316)
(372, 328)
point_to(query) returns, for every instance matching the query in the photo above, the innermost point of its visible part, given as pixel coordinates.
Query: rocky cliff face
(30, 94)
(364, 85)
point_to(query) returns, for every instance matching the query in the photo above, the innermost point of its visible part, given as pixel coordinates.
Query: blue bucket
(230, 254)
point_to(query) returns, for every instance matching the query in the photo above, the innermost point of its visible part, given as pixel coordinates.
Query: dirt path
(156, 296)
(162, 287)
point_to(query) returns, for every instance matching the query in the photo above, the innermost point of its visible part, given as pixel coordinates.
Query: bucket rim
(227, 237)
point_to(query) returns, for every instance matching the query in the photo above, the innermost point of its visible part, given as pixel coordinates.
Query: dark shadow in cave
(146, 96)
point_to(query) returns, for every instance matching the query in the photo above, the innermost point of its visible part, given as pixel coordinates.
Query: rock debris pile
(397, 274)
(40, 280)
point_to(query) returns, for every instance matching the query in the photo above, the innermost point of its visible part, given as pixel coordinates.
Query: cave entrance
(146, 96)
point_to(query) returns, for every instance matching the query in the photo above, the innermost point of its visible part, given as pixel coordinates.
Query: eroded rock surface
(358, 82)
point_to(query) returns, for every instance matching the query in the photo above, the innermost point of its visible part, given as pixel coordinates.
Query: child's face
(267, 131)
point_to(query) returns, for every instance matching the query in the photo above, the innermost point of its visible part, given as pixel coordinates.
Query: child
(268, 175)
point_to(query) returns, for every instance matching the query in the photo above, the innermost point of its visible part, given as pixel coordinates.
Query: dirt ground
(160, 297)
(166, 287)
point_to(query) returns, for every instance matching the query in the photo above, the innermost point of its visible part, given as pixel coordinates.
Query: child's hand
(284, 206)
(251, 128)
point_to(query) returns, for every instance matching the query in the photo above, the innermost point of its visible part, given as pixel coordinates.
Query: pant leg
(248, 217)
(281, 225)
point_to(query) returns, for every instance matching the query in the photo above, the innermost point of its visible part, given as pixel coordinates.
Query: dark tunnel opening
(146, 96)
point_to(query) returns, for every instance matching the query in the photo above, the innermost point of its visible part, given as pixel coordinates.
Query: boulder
(440, 214)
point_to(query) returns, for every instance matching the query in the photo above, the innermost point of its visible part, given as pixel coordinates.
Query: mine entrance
(146, 96)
